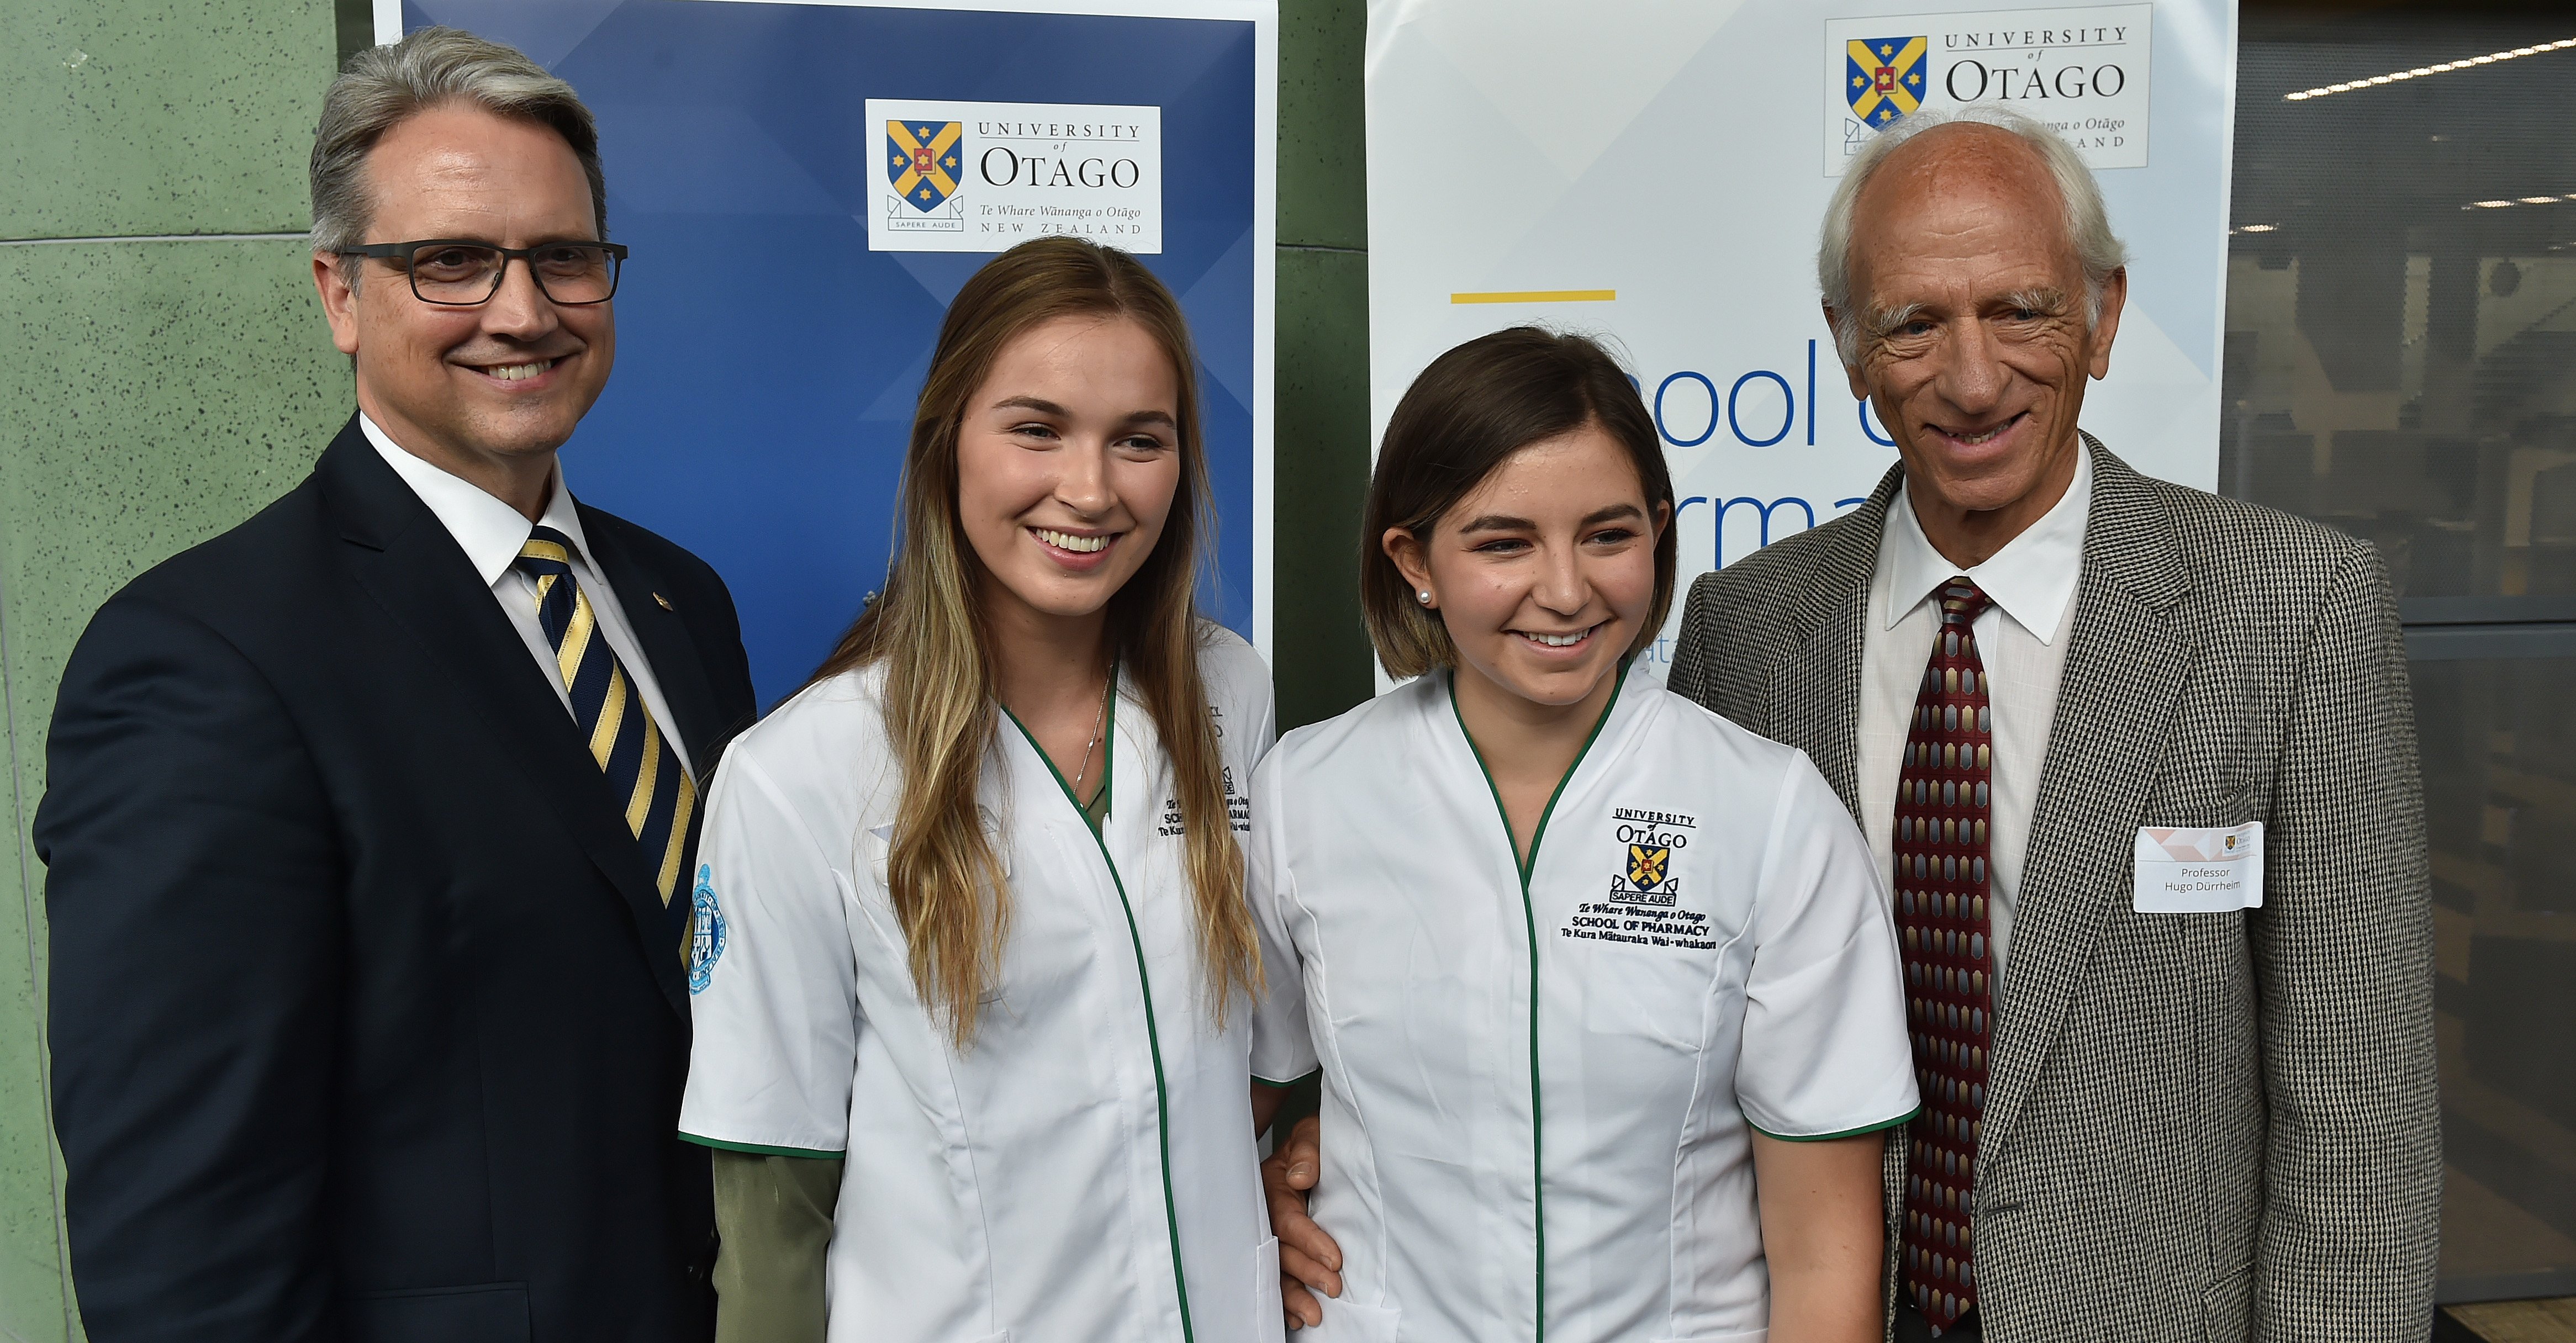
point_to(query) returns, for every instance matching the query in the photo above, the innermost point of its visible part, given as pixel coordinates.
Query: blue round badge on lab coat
(707, 941)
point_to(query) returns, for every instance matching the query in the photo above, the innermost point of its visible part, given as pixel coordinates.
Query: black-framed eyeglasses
(462, 272)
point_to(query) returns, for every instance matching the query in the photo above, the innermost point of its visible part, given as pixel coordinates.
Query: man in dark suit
(2045, 685)
(370, 823)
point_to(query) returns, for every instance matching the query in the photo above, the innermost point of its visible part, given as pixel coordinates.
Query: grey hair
(388, 85)
(2088, 224)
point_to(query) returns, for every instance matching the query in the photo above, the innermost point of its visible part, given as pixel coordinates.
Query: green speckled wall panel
(166, 391)
(125, 117)
(1322, 463)
(1322, 656)
(1323, 141)
(185, 384)
(155, 393)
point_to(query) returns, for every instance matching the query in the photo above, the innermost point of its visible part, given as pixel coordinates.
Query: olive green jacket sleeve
(774, 1215)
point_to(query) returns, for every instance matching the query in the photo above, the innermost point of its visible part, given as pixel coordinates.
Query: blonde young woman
(974, 973)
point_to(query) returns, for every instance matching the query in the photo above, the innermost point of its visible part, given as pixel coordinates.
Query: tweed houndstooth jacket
(2200, 1127)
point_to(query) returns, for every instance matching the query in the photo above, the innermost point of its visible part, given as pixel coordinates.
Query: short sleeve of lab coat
(773, 988)
(1282, 1050)
(1825, 1053)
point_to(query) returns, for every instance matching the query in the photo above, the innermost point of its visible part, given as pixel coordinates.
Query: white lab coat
(1086, 1172)
(1712, 955)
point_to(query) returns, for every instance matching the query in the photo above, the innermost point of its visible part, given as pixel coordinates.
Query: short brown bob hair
(1459, 421)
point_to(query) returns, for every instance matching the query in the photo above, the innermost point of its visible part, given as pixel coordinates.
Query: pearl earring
(1425, 595)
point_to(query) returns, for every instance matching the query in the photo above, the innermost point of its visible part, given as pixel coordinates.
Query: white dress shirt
(2021, 638)
(491, 532)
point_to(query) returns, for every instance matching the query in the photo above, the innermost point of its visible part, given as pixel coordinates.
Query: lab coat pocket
(1748, 1336)
(1268, 1318)
(1345, 1323)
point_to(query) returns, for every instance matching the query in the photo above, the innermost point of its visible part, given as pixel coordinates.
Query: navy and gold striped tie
(661, 800)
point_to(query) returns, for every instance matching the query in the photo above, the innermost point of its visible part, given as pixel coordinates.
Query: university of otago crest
(924, 161)
(970, 176)
(1885, 81)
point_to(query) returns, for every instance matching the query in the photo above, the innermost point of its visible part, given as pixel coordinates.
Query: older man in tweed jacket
(2205, 1125)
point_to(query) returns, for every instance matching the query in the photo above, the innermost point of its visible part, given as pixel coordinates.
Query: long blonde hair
(946, 884)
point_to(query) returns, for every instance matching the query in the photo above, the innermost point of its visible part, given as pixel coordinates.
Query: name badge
(2199, 870)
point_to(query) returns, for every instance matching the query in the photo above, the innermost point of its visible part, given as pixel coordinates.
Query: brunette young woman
(975, 974)
(1602, 987)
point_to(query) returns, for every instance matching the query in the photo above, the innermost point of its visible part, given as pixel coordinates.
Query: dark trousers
(1913, 1327)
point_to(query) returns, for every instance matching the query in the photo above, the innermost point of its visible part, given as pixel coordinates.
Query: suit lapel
(1831, 609)
(664, 638)
(399, 553)
(2128, 654)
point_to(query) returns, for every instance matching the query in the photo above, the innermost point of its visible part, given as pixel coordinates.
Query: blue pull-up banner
(805, 185)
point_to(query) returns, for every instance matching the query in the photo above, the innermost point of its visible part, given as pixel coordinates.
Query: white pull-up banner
(1655, 173)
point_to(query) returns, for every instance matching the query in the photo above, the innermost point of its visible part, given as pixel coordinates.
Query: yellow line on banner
(1541, 296)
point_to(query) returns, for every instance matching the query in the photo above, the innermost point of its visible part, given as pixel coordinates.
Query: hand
(1309, 1261)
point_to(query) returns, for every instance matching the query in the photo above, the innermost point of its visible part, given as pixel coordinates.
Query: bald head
(1962, 163)
(2085, 224)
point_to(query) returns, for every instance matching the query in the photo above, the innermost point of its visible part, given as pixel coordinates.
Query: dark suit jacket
(366, 1023)
(2200, 1126)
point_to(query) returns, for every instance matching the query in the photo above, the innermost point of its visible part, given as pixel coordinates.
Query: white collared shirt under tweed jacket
(2214, 1127)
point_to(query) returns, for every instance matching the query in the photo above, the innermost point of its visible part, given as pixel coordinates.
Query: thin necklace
(1098, 726)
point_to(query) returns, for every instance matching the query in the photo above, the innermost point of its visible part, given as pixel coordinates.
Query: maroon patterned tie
(1942, 796)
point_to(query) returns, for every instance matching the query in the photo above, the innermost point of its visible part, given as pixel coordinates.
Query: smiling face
(495, 388)
(1974, 341)
(1068, 460)
(1544, 573)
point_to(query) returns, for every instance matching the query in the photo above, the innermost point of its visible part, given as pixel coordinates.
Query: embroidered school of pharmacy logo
(1884, 81)
(707, 940)
(1648, 838)
(1643, 907)
(922, 160)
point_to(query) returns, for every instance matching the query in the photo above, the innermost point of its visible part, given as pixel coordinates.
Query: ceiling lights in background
(2497, 204)
(2519, 200)
(2422, 70)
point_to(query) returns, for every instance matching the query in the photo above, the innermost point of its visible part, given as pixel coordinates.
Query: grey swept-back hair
(2087, 223)
(388, 85)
